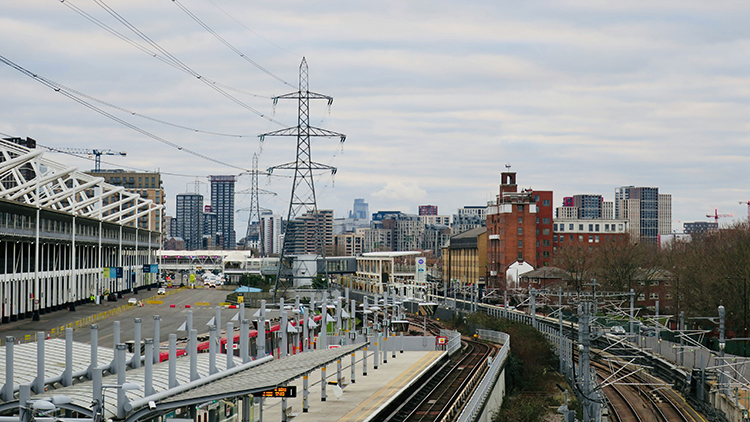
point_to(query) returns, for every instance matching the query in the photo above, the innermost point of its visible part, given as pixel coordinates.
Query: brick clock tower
(519, 228)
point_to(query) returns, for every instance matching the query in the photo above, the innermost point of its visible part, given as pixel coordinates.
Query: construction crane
(716, 216)
(748, 209)
(97, 153)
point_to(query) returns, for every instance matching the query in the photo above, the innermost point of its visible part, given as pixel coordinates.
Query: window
(536, 198)
(596, 228)
(606, 227)
(545, 242)
(520, 256)
(545, 254)
(545, 220)
(653, 283)
(537, 220)
(562, 237)
(520, 243)
(554, 238)
(653, 296)
(619, 227)
(580, 238)
(520, 207)
(520, 230)
(641, 297)
(546, 202)
(668, 295)
(570, 227)
(591, 238)
(537, 243)
(591, 227)
(520, 220)
(554, 227)
(545, 232)
(596, 238)
(580, 227)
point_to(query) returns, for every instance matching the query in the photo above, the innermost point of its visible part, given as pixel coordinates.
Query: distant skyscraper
(210, 224)
(568, 201)
(189, 210)
(361, 209)
(428, 210)
(665, 213)
(222, 203)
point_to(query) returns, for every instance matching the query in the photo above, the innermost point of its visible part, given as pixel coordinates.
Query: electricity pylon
(303, 186)
(255, 206)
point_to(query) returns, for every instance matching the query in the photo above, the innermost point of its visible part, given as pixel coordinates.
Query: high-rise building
(608, 210)
(589, 206)
(428, 210)
(519, 228)
(189, 220)
(271, 225)
(646, 211)
(665, 213)
(348, 244)
(309, 231)
(360, 210)
(146, 184)
(222, 203)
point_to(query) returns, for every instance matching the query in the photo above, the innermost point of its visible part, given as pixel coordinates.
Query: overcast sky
(435, 97)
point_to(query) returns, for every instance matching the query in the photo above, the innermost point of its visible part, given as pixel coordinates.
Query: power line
(129, 125)
(253, 32)
(167, 57)
(228, 44)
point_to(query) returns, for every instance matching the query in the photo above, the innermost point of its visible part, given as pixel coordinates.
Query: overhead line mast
(303, 186)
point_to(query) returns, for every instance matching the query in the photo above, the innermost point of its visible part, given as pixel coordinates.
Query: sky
(435, 97)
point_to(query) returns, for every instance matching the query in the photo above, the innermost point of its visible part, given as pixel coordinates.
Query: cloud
(395, 191)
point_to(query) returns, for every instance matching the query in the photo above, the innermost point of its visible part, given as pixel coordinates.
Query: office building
(360, 210)
(271, 226)
(700, 228)
(189, 220)
(222, 203)
(645, 210)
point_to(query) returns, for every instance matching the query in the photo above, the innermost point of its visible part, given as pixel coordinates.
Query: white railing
(483, 390)
(454, 340)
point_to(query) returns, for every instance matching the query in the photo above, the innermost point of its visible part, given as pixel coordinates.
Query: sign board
(440, 340)
(118, 272)
(289, 391)
(421, 268)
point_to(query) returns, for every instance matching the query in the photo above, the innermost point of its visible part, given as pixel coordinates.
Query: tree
(623, 266)
(578, 261)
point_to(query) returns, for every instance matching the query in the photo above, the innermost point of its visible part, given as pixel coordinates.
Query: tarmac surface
(171, 318)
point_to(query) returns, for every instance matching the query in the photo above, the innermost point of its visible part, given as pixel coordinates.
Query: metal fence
(476, 403)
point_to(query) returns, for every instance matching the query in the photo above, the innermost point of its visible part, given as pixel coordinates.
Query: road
(171, 318)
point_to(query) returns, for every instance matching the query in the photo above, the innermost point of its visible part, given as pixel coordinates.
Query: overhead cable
(253, 32)
(166, 57)
(113, 117)
(228, 44)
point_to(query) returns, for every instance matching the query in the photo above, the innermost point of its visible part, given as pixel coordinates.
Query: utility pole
(303, 187)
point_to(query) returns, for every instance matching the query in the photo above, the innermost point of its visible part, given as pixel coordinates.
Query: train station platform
(359, 400)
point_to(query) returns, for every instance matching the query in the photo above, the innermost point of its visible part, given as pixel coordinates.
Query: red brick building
(519, 228)
(428, 210)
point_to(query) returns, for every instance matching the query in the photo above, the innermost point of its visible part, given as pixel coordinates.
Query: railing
(454, 340)
(483, 390)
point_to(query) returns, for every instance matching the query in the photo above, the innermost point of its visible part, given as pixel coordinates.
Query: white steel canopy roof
(31, 179)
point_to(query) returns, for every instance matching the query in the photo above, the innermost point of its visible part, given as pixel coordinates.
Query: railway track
(637, 399)
(436, 394)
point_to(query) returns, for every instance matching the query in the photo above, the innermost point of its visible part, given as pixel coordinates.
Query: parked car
(617, 330)
(132, 301)
(161, 291)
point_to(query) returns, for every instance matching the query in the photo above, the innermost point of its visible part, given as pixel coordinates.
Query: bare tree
(578, 262)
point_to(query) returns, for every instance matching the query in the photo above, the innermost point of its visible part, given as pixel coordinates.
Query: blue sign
(154, 268)
(112, 272)
(146, 268)
(118, 272)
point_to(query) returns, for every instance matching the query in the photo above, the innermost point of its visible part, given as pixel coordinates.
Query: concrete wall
(494, 400)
